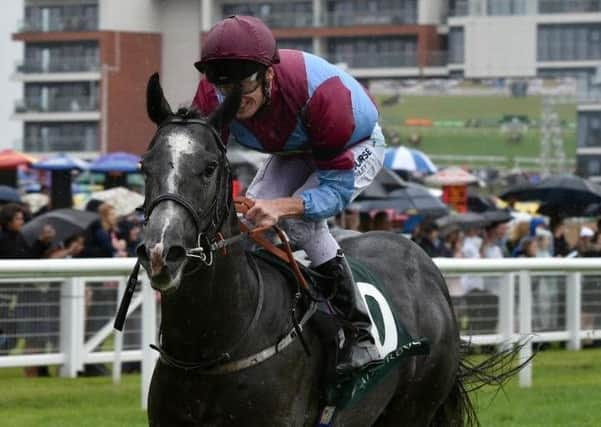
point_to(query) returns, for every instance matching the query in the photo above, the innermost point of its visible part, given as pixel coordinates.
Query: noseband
(208, 222)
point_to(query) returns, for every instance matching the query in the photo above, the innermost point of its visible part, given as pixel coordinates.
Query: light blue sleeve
(333, 194)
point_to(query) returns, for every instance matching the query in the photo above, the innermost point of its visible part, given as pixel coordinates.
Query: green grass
(566, 392)
(474, 141)
(469, 107)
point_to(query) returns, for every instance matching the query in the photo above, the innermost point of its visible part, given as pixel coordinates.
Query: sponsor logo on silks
(361, 158)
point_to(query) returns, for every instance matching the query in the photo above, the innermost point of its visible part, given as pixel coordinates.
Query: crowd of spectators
(35, 308)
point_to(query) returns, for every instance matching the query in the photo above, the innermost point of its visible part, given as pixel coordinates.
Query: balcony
(60, 65)
(562, 51)
(375, 59)
(67, 22)
(288, 20)
(568, 6)
(58, 143)
(461, 9)
(393, 16)
(57, 104)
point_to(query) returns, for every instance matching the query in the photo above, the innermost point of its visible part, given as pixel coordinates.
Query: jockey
(320, 126)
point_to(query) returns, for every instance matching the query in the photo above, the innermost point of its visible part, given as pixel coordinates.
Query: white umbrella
(408, 159)
(123, 200)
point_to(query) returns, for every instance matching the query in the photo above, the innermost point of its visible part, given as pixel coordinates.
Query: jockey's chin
(248, 108)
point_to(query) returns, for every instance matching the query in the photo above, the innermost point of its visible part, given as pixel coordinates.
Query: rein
(209, 240)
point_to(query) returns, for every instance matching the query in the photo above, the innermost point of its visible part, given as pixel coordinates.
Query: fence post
(574, 308)
(118, 338)
(506, 310)
(72, 326)
(526, 327)
(149, 335)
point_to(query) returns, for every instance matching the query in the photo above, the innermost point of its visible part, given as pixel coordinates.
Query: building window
(275, 14)
(59, 97)
(506, 7)
(76, 17)
(54, 137)
(573, 42)
(365, 12)
(369, 52)
(569, 6)
(589, 129)
(61, 57)
(456, 45)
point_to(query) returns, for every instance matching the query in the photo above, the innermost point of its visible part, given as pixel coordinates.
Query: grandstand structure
(83, 59)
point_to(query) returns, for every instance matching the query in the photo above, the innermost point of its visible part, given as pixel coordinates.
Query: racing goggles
(248, 85)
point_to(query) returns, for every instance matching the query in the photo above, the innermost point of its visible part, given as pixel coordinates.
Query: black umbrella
(557, 191)
(462, 220)
(66, 223)
(477, 202)
(380, 188)
(497, 216)
(414, 199)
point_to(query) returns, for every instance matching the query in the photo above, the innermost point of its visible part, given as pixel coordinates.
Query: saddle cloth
(392, 340)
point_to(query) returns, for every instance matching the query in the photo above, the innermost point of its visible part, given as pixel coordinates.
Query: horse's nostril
(175, 253)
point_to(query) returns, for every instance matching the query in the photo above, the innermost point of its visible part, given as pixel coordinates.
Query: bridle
(208, 222)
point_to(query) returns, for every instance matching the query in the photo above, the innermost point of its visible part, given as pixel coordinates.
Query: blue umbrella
(408, 159)
(61, 162)
(9, 194)
(116, 162)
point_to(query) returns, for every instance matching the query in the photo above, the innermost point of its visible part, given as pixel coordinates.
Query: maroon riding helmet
(236, 48)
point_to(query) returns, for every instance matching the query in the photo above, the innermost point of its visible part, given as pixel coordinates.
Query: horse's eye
(210, 169)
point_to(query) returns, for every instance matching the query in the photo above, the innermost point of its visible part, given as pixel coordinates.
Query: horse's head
(187, 186)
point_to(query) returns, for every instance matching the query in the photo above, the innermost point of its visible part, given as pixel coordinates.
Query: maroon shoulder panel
(329, 117)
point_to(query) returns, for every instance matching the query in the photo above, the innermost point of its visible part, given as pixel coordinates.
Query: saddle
(394, 343)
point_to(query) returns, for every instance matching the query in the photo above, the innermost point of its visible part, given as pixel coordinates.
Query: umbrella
(452, 176)
(497, 216)
(479, 202)
(116, 162)
(462, 221)
(11, 159)
(9, 194)
(414, 199)
(384, 182)
(562, 195)
(61, 162)
(66, 223)
(408, 159)
(123, 200)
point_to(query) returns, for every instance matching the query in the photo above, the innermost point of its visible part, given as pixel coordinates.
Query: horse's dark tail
(495, 370)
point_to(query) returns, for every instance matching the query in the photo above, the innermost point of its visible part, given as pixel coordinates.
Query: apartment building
(535, 38)
(86, 61)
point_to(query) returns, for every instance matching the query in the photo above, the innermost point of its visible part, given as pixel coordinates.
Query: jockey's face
(252, 101)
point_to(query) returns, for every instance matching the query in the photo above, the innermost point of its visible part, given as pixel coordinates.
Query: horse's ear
(226, 112)
(157, 106)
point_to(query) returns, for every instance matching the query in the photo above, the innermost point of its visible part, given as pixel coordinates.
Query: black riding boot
(359, 348)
